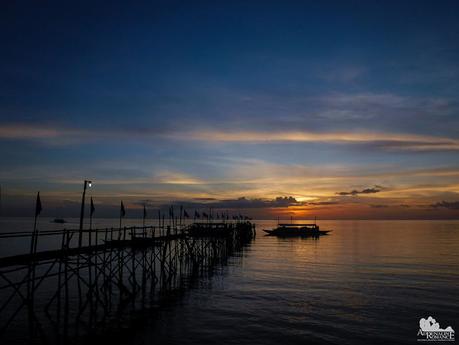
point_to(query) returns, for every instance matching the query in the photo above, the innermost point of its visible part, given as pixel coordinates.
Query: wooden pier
(67, 294)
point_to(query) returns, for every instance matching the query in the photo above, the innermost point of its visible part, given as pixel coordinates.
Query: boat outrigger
(300, 230)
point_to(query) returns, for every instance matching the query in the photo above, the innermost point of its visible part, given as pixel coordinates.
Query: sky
(334, 109)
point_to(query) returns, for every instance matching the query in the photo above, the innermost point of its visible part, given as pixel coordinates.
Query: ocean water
(367, 282)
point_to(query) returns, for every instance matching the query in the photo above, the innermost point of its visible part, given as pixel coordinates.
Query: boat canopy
(299, 225)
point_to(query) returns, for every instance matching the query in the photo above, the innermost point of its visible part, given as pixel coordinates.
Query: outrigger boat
(300, 230)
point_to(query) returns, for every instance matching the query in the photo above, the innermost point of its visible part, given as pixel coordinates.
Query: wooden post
(143, 223)
(90, 230)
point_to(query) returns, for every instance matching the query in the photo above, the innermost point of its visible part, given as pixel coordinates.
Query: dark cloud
(379, 206)
(321, 203)
(376, 189)
(243, 202)
(147, 203)
(386, 206)
(404, 206)
(284, 201)
(239, 203)
(453, 205)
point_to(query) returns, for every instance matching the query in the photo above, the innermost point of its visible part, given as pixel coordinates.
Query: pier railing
(63, 294)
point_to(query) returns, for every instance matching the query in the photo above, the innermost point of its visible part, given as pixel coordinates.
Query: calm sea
(367, 282)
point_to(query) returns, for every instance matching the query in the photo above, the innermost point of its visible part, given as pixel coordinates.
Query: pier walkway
(76, 293)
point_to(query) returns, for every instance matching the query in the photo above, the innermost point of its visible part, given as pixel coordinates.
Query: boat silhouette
(297, 230)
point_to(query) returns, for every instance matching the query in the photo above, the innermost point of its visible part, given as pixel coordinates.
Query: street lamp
(87, 183)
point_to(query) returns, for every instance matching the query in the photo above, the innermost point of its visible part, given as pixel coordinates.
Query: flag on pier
(185, 214)
(33, 242)
(92, 208)
(205, 215)
(196, 214)
(122, 210)
(38, 205)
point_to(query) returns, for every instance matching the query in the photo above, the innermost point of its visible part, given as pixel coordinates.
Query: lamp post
(80, 234)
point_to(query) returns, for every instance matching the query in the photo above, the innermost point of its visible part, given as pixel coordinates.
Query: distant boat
(59, 220)
(297, 230)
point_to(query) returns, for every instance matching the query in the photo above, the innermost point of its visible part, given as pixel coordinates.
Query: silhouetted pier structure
(82, 289)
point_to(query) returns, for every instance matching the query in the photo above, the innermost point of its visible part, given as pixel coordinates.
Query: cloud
(454, 205)
(342, 74)
(64, 135)
(383, 140)
(238, 203)
(284, 201)
(404, 206)
(389, 141)
(244, 202)
(369, 104)
(18, 131)
(322, 203)
(364, 191)
(387, 206)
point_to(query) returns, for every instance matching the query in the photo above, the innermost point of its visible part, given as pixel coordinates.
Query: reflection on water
(367, 282)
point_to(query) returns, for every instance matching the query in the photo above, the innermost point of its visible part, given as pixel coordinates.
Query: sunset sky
(346, 109)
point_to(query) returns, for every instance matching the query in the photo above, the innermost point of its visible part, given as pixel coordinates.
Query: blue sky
(169, 101)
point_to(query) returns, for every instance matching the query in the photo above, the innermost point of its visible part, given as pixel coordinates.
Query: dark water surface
(368, 282)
